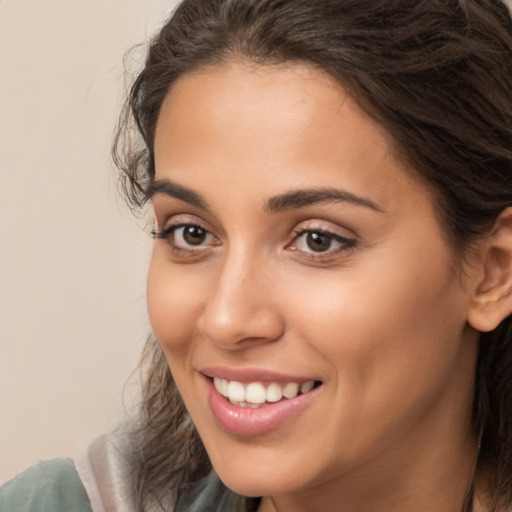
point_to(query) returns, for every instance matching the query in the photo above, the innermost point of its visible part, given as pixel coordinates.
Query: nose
(242, 309)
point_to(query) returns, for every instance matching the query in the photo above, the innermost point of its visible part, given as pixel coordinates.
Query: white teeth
(254, 394)
(236, 391)
(246, 404)
(274, 392)
(291, 390)
(307, 386)
(218, 385)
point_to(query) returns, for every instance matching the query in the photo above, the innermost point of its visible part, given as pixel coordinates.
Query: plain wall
(72, 257)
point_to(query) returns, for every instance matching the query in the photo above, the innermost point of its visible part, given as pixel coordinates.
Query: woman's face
(295, 252)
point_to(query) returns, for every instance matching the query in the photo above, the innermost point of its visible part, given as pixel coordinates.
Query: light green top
(51, 486)
(55, 486)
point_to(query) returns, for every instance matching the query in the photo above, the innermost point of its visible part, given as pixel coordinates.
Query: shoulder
(50, 486)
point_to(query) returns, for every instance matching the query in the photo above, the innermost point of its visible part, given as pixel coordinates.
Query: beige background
(72, 258)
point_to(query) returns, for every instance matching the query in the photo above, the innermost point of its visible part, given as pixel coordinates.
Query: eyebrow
(307, 197)
(280, 203)
(168, 188)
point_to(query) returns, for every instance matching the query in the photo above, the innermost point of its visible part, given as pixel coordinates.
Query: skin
(380, 320)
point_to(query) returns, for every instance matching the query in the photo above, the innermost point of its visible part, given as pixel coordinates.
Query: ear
(491, 300)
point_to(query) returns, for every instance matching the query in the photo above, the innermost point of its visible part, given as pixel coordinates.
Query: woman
(330, 286)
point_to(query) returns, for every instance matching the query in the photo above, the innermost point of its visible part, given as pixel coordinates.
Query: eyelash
(166, 233)
(346, 244)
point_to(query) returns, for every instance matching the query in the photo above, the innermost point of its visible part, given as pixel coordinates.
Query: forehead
(289, 123)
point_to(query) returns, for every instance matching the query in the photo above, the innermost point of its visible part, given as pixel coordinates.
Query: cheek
(392, 345)
(378, 328)
(174, 302)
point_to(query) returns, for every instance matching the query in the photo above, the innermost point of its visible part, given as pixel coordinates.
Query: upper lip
(246, 375)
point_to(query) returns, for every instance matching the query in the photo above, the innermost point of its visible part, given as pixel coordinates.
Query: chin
(248, 484)
(254, 477)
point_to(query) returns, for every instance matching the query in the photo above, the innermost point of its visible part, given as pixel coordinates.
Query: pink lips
(252, 422)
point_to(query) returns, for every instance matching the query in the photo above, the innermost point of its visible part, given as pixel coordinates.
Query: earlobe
(492, 296)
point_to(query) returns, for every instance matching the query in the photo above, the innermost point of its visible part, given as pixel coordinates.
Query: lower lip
(245, 421)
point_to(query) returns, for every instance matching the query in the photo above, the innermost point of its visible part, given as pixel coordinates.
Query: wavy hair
(435, 74)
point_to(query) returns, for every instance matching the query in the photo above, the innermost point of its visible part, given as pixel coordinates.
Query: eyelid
(165, 232)
(346, 242)
(324, 226)
(342, 239)
(334, 236)
(172, 223)
(171, 220)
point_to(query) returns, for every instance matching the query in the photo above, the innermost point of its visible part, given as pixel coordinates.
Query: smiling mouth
(258, 394)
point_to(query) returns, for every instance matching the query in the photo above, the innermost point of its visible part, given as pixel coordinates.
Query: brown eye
(318, 242)
(194, 235)
(186, 236)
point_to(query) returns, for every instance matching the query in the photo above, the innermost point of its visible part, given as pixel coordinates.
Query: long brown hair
(436, 75)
